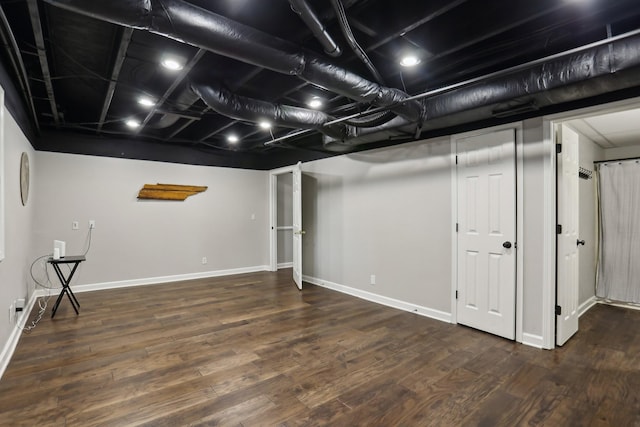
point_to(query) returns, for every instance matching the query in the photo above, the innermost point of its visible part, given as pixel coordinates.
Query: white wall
(19, 223)
(388, 212)
(536, 164)
(146, 239)
(621, 152)
(385, 212)
(588, 153)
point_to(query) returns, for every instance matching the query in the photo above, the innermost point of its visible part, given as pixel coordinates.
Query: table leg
(66, 289)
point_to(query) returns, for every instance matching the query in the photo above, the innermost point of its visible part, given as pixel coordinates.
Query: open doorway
(604, 134)
(284, 220)
(282, 210)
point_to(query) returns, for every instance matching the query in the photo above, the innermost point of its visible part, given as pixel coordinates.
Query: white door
(486, 291)
(568, 219)
(298, 232)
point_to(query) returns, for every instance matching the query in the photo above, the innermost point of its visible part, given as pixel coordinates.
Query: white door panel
(486, 224)
(297, 225)
(568, 217)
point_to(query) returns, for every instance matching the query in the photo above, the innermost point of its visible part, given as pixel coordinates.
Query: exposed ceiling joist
(420, 22)
(9, 40)
(113, 81)
(178, 80)
(36, 24)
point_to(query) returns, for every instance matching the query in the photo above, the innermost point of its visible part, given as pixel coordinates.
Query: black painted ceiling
(96, 71)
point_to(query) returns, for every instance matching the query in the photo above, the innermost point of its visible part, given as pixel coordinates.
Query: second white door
(569, 219)
(298, 232)
(486, 270)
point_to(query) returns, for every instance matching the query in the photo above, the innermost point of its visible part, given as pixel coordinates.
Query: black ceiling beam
(498, 31)
(416, 24)
(115, 73)
(183, 74)
(36, 24)
(13, 52)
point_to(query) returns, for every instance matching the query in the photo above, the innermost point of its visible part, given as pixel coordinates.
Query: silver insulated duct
(199, 27)
(605, 67)
(608, 66)
(229, 104)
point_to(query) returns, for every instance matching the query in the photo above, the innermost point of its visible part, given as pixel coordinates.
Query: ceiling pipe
(302, 8)
(194, 25)
(590, 71)
(577, 75)
(351, 40)
(239, 107)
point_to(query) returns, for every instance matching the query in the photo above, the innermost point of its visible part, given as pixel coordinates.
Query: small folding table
(66, 281)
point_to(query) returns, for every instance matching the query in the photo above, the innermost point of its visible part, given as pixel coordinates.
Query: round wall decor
(24, 178)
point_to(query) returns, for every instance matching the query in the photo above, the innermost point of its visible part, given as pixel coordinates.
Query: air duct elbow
(239, 107)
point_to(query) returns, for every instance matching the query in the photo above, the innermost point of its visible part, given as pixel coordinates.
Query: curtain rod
(616, 160)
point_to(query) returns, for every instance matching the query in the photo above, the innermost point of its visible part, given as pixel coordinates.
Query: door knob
(301, 232)
(580, 242)
(506, 245)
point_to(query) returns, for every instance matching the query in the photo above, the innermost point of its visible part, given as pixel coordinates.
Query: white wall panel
(14, 276)
(137, 239)
(384, 212)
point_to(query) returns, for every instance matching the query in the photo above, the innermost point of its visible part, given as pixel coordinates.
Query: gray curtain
(619, 250)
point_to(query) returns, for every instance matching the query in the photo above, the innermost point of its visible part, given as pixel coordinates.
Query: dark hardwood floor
(252, 350)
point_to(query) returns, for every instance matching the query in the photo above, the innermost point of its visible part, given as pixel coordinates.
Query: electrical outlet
(204, 260)
(253, 217)
(20, 302)
(92, 223)
(75, 225)
(373, 279)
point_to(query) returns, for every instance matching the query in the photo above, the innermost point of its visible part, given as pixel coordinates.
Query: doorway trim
(550, 220)
(273, 214)
(519, 160)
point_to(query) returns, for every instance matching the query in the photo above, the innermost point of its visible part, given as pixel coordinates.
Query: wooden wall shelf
(169, 191)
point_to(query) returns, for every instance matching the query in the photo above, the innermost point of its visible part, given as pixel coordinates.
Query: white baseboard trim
(532, 340)
(167, 279)
(389, 302)
(285, 265)
(585, 306)
(12, 342)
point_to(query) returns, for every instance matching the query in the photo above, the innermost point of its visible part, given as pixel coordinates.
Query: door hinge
(558, 229)
(456, 227)
(558, 148)
(456, 294)
(456, 159)
(558, 310)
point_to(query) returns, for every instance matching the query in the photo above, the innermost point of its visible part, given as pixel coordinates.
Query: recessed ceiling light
(171, 63)
(147, 102)
(315, 102)
(132, 123)
(233, 139)
(265, 125)
(410, 61)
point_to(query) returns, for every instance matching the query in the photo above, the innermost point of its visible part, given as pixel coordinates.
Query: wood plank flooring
(252, 350)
